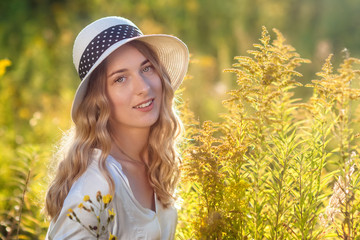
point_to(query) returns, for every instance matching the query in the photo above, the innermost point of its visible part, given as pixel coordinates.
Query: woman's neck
(130, 148)
(131, 141)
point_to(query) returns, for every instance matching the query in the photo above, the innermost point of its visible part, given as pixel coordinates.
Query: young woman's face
(134, 89)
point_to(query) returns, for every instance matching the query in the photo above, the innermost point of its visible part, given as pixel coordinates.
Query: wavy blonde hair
(91, 131)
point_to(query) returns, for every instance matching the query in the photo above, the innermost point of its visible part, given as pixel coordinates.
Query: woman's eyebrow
(125, 69)
(117, 71)
(144, 62)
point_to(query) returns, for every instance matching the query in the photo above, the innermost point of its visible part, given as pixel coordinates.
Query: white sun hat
(102, 37)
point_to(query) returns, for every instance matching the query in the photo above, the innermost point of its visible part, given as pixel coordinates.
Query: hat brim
(172, 52)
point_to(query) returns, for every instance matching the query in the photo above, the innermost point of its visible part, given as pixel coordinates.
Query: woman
(124, 136)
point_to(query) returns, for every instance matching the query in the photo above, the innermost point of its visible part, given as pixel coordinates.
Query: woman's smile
(145, 105)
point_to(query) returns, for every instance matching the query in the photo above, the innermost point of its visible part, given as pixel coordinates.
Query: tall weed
(22, 217)
(267, 170)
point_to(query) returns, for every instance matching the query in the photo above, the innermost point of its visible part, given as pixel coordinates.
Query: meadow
(273, 167)
(271, 142)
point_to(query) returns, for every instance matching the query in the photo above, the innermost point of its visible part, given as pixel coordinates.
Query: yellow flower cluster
(98, 209)
(112, 237)
(107, 199)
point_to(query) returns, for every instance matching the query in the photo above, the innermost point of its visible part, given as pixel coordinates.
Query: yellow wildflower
(111, 213)
(112, 237)
(107, 198)
(3, 64)
(86, 198)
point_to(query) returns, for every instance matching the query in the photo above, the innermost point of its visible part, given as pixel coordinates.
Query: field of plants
(276, 167)
(272, 141)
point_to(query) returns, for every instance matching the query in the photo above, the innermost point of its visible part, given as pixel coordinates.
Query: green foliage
(276, 165)
(21, 216)
(334, 91)
(266, 171)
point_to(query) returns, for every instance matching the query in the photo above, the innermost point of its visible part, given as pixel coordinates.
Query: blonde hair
(92, 131)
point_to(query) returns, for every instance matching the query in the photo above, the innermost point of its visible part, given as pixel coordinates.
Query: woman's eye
(147, 68)
(120, 79)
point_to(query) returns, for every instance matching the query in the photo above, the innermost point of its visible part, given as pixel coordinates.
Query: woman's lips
(145, 106)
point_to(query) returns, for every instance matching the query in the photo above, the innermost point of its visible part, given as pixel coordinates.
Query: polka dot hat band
(102, 42)
(100, 38)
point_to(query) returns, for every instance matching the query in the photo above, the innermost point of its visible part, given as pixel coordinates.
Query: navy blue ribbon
(102, 42)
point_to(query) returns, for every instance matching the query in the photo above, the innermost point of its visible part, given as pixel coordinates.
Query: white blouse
(132, 221)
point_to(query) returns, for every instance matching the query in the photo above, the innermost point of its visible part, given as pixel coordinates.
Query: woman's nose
(142, 84)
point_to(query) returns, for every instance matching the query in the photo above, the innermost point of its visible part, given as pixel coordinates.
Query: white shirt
(132, 221)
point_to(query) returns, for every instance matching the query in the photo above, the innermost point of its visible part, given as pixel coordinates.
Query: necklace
(130, 159)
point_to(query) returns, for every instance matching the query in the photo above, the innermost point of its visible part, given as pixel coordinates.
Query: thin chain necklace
(130, 159)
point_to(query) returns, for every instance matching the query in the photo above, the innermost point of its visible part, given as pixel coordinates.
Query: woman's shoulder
(91, 181)
(86, 190)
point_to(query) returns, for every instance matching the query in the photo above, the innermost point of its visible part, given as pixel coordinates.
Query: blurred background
(37, 36)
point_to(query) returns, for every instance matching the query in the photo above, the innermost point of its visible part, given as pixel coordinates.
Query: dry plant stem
(258, 203)
(259, 179)
(344, 154)
(321, 166)
(98, 233)
(87, 229)
(22, 203)
(301, 193)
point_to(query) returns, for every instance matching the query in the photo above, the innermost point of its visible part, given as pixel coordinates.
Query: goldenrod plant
(335, 94)
(268, 169)
(97, 209)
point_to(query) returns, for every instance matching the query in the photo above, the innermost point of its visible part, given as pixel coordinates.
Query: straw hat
(102, 37)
